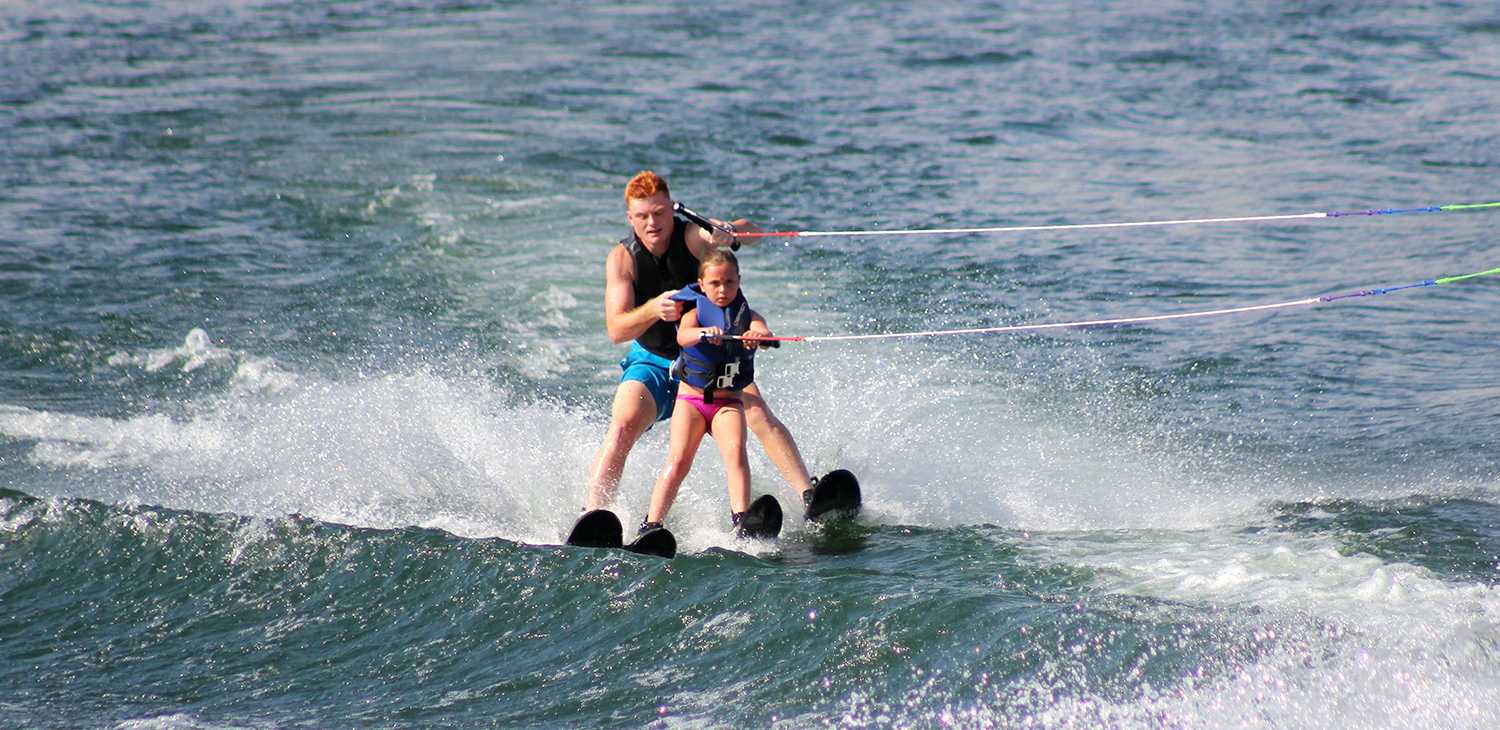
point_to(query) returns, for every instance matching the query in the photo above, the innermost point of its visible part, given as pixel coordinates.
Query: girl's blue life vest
(709, 367)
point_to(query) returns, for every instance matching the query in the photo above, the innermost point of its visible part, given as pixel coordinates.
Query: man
(642, 272)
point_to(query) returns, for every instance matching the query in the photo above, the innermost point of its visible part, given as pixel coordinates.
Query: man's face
(651, 218)
(720, 284)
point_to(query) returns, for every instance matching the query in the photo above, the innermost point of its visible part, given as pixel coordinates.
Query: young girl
(713, 371)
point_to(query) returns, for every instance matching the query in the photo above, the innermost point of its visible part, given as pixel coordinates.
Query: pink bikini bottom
(709, 410)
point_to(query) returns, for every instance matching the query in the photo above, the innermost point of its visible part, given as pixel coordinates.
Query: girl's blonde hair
(717, 257)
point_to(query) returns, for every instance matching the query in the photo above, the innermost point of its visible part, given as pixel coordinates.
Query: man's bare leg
(777, 441)
(633, 411)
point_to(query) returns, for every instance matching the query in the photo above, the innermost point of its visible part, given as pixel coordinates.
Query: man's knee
(757, 413)
(624, 432)
(761, 420)
(634, 409)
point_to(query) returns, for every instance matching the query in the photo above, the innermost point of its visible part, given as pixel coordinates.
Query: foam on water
(386, 450)
(458, 451)
(1341, 637)
(174, 721)
(1327, 632)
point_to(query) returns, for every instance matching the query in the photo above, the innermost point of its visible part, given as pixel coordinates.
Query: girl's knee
(734, 452)
(677, 467)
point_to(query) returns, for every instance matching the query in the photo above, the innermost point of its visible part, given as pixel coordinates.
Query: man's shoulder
(620, 262)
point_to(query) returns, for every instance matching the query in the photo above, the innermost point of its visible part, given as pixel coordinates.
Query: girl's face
(720, 284)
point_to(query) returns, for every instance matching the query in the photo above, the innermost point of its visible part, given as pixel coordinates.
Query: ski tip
(835, 495)
(659, 543)
(597, 528)
(762, 521)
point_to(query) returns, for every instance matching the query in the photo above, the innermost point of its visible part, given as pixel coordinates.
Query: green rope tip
(1469, 207)
(1470, 276)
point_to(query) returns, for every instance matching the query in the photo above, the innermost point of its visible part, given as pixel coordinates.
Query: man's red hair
(644, 185)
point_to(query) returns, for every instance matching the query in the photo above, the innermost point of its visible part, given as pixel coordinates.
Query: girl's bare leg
(729, 434)
(687, 432)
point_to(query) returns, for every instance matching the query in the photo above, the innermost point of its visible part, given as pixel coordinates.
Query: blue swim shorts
(655, 372)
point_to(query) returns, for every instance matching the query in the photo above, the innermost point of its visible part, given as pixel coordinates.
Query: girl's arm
(688, 331)
(759, 327)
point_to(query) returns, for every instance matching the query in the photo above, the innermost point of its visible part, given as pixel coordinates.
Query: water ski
(762, 521)
(659, 542)
(598, 528)
(601, 529)
(834, 497)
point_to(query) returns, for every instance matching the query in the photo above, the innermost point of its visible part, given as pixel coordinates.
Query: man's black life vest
(674, 269)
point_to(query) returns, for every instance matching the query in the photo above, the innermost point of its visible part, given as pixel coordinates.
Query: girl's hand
(754, 334)
(752, 339)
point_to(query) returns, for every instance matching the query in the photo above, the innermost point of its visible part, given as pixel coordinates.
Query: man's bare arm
(622, 319)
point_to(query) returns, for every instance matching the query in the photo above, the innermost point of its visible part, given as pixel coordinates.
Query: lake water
(302, 364)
